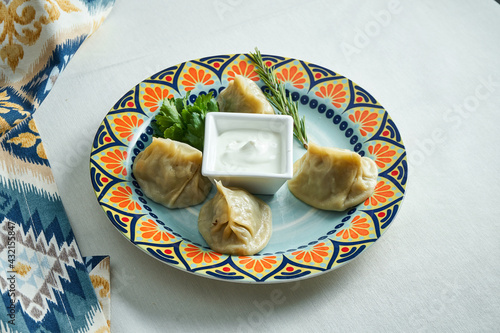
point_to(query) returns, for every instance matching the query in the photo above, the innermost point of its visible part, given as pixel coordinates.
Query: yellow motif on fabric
(22, 269)
(4, 126)
(28, 140)
(99, 281)
(5, 107)
(20, 29)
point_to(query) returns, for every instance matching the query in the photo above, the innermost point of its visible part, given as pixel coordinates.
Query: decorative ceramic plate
(306, 241)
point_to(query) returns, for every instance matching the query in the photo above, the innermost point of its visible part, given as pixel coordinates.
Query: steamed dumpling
(169, 172)
(243, 95)
(332, 178)
(235, 222)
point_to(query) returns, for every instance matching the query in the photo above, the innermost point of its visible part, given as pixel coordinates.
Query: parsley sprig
(278, 98)
(177, 120)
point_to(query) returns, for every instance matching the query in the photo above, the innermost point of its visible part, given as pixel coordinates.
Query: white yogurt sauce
(248, 150)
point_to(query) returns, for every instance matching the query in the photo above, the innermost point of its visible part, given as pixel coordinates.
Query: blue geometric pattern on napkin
(44, 282)
(56, 292)
(92, 262)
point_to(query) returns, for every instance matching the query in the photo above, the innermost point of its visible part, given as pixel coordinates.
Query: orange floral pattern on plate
(123, 197)
(199, 255)
(194, 77)
(109, 157)
(243, 69)
(154, 97)
(317, 254)
(151, 230)
(294, 76)
(126, 125)
(359, 227)
(335, 92)
(380, 195)
(258, 264)
(115, 160)
(383, 155)
(367, 120)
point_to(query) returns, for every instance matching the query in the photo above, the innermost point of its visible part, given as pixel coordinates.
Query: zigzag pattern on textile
(39, 269)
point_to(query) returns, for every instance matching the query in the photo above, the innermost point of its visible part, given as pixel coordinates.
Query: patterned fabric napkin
(44, 282)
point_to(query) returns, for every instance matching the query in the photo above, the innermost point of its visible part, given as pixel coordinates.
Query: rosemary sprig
(277, 96)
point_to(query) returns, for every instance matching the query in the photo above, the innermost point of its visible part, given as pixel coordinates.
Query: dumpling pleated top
(332, 178)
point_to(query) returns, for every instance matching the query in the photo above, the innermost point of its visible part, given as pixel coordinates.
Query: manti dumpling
(243, 95)
(169, 172)
(235, 222)
(332, 178)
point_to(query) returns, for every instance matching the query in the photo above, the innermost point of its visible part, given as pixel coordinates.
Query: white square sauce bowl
(249, 151)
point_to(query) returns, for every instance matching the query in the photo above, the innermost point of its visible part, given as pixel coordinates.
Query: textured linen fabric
(44, 283)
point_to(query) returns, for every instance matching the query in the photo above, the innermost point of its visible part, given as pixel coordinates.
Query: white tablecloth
(434, 65)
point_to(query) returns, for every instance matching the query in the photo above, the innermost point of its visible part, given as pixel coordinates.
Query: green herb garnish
(182, 122)
(278, 98)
